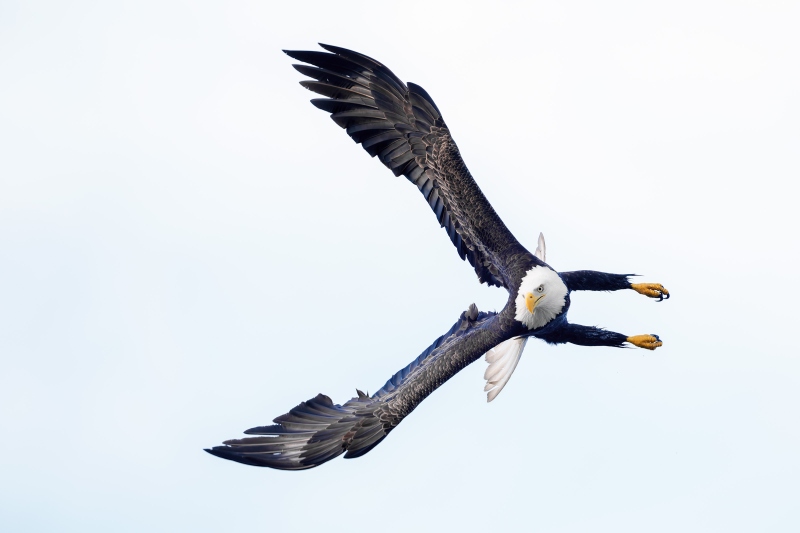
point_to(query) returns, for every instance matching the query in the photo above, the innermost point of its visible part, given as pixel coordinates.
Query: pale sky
(171, 206)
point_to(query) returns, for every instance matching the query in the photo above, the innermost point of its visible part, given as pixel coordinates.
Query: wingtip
(334, 49)
(295, 54)
(216, 451)
(225, 452)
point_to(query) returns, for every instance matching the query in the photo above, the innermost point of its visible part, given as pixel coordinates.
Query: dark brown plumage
(401, 125)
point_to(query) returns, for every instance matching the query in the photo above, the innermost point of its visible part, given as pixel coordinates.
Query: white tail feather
(541, 249)
(502, 360)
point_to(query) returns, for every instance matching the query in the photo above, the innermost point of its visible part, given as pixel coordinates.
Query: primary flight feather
(401, 125)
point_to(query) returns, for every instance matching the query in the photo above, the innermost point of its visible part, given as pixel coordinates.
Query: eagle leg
(651, 290)
(649, 342)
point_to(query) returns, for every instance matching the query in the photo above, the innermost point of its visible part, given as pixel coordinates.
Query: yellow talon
(651, 290)
(649, 342)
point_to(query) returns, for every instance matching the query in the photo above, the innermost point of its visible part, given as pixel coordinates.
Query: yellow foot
(650, 342)
(651, 290)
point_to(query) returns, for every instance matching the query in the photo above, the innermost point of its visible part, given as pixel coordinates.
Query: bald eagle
(401, 125)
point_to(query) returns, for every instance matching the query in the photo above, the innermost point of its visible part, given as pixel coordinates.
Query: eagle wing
(401, 125)
(318, 430)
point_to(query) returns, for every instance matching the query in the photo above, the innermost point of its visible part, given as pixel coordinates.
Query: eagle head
(541, 297)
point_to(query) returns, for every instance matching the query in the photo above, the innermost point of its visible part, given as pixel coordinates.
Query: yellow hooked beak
(531, 301)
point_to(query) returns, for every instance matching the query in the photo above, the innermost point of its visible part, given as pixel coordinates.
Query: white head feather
(553, 297)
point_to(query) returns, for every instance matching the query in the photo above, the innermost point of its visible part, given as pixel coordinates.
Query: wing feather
(401, 124)
(318, 430)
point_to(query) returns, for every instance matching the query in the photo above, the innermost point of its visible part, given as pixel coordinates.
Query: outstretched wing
(318, 430)
(401, 125)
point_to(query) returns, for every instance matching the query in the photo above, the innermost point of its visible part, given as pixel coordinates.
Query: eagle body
(400, 124)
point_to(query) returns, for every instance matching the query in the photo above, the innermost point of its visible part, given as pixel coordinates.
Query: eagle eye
(540, 288)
